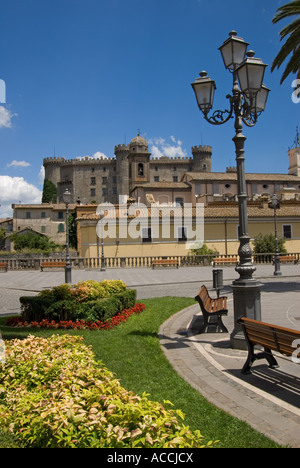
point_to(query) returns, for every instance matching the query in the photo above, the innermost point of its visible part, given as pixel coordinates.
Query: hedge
(87, 300)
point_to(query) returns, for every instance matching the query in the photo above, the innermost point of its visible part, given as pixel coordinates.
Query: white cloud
(16, 190)
(41, 175)
(6, 117)
(161, 147)
(15, 163)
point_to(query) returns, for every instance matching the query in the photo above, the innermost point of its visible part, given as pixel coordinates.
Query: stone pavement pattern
(269, 400)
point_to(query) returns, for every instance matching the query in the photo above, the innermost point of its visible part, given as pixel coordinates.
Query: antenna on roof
(297, 140)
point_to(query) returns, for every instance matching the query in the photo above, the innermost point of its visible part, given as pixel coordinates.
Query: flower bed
(78, 324)
(90, 301)
(54, 394)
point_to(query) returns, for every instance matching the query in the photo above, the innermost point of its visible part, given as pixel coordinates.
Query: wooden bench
(270, 338)
(212, 308)
(165, 263)
(3, 266)
(52, 265)
(224, 261)
(286, 259)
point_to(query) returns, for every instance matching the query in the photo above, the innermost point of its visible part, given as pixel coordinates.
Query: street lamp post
(248, 100)
(275, 205)
(101, 215)
(67, 197)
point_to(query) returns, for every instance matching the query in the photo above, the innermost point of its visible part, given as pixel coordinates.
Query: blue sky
(84, 75)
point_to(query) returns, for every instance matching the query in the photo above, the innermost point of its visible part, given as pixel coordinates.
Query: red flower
(80, 324)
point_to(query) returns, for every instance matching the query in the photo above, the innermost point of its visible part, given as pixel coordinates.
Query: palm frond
(292, 66)
(290, 9)
(292, 44)
(290, 28)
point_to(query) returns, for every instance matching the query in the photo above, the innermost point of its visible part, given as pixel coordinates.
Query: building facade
(104, 180)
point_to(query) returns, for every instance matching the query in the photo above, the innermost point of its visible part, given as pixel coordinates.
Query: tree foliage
(32, 241)
(291, 33)
(265, 243)
(49, 192)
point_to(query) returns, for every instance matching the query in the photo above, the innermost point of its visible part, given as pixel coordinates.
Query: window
(179, 201)
(93, 192)
(182, 234)
(175, 179)
(43, 229)
(104, 191)
(104, 180)
(115, 191)
(174, 168)
(114, 180)
(104, 169)
(61, 227)
(287, 231)
(140, 169)
(43, 215)
(156, 169)
(60, 215)
(156, 178)
(93, 180)
(28, 215)
(146, 235)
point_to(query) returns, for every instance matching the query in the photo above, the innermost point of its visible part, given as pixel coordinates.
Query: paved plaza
(269, 400)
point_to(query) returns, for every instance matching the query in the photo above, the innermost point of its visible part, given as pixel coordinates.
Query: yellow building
(140, 231)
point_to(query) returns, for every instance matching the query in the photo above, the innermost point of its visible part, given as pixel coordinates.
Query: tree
(265, 243)
(32, 241)
(292, 44)
(49, 192)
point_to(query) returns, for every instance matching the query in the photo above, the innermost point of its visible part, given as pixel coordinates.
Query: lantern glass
(251, 74)
(204, 89)
(67, 197)
(233, 51)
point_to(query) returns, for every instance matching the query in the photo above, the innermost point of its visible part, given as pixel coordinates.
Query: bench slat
(270, 337)
(211, 307)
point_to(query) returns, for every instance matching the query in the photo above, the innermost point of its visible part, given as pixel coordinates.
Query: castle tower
(122, 169)
(294, 157)
(202, 158)
(139, 162)
(52, 169)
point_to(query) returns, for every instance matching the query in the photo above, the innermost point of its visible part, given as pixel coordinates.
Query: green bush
(87, 300)
(54, 394)
(265, 243)
(101, 309)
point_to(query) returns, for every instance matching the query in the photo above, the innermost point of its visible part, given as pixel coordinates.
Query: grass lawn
(132, 351)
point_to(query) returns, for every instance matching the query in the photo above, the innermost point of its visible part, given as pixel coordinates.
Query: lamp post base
(246, 300)
(68, 274)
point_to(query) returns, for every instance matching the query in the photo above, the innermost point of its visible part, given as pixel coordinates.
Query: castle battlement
(121, 148)
(53, 160)
(77, 161)
(166, 159)
(202, 149)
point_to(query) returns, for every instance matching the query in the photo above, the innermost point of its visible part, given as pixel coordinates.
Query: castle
(104, 180)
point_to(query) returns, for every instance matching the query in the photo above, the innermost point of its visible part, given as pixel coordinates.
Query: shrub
(101, 309)
(53, 394)
(265, 243)
(86, 300)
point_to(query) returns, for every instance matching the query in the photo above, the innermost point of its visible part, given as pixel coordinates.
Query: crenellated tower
(202, 158)
(52, 169)
(122, 169)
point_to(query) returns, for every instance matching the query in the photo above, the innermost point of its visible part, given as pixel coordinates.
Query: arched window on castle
(141, 170)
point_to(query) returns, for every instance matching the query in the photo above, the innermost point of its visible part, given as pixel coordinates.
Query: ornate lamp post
(67, 198)
(248, 100)
(275, 205)
(101, 215)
